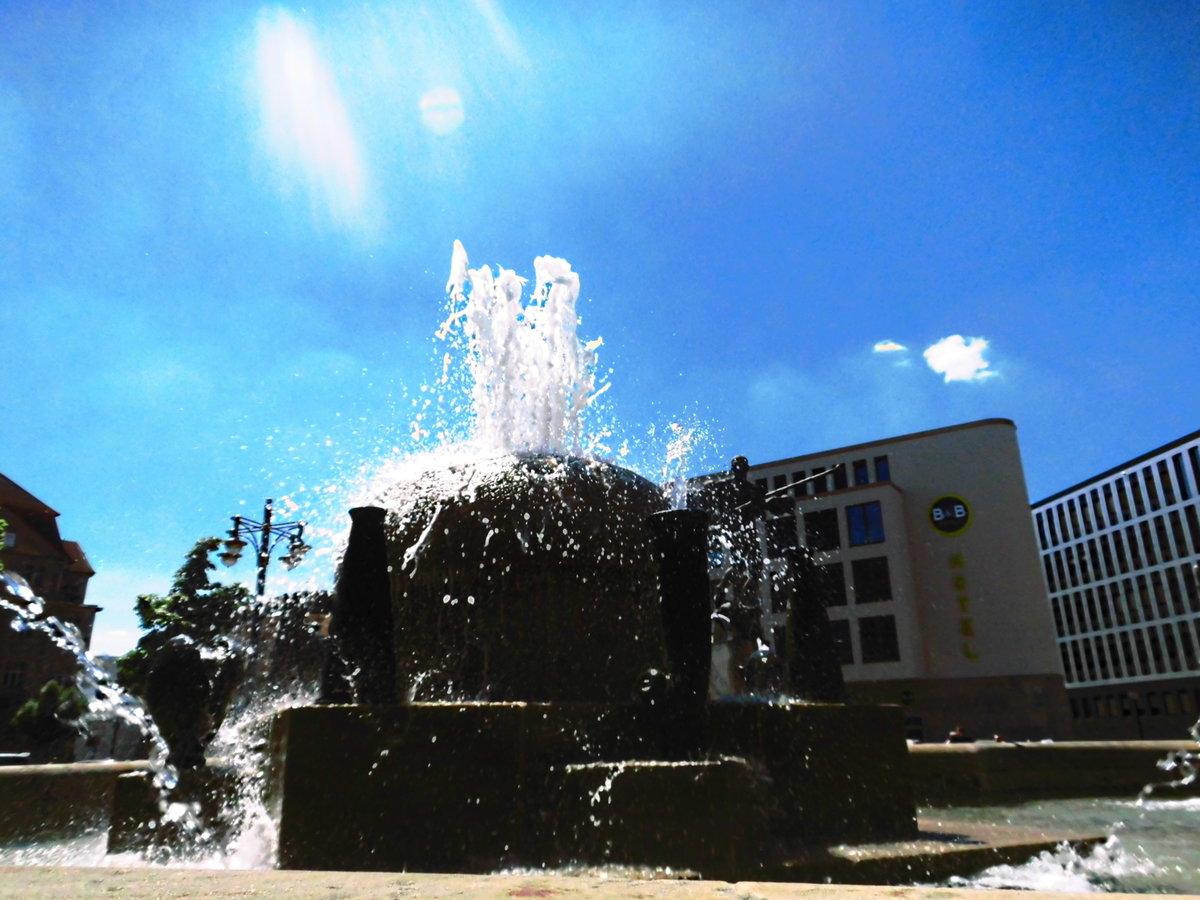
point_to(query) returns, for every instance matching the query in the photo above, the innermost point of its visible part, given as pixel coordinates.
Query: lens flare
(442, 110)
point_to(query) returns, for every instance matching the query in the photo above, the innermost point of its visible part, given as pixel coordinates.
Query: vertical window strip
(1164, 480)
(1097, 509)
(1178, 533)
(1085, 513)
(1115, 662)
(1181, 479)
(1193, 522)
(1151, 488)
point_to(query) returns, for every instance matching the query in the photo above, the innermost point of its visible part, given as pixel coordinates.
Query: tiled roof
(12, 494)
(79, 561)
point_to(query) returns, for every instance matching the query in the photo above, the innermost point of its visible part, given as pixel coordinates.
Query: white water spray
(531, 377)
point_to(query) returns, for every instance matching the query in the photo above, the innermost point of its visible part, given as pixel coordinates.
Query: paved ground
(51, 883)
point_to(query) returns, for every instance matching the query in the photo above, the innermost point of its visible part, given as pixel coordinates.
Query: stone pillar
(681, 546)
(362, 660)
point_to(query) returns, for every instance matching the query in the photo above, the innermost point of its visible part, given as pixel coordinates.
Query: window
(821, 530)
(1189, 513)
(1109, 505)
(1151, 488)
(839, 630)
(1181, 544)
(839, 477)
(1085, 514)
(1164, 477)
(861, 475)
(1073, 514)
(820, 481)
(1135, 484)
(877, 638)
(1163, 539)
(781, 535)
(780, 592)
(864, 523)
(1147, 543)
(779, 642)
(872, 582)
(14, 677)
(1180, 476)
(1096, 510)
(829, 584)
(1123, 497)
(883, 471)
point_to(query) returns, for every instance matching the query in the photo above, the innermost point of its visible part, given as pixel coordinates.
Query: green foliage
(52, 715)
(196, 608)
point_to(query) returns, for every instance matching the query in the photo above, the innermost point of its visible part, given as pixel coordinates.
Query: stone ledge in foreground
(59, 883)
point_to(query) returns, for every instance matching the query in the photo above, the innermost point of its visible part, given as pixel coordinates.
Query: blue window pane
(883, 471)
(864, 523)
(860, 472)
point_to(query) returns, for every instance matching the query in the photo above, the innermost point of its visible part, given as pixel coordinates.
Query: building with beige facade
(1120, 553)
(925, 557)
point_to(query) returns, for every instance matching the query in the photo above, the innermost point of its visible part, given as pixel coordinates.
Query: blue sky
(227, 230)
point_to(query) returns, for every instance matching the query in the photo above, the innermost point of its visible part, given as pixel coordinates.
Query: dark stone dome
(527, 577)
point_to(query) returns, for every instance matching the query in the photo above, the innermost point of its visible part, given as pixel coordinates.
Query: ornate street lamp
(265, 537)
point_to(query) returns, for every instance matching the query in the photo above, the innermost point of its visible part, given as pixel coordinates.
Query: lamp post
(265, 537)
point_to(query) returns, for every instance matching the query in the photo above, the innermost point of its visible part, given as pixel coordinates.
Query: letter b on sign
(950, 514)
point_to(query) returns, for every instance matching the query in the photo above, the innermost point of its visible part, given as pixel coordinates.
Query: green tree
(185, 667)
(50, 718)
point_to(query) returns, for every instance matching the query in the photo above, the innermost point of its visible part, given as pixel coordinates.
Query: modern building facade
(1120, 553)
(926, 560)
(58, 572)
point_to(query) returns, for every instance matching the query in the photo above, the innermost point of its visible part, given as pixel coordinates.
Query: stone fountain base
(475, 787)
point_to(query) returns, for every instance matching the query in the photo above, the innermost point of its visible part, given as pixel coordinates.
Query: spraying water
(530, 376)
(105, 700)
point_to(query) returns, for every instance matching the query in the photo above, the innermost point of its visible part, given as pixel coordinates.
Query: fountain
(519, 666)
(550, 635)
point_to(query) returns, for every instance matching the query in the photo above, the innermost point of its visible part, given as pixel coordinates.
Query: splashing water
(530, 376)
(1183, 764)
(515, 377)
(1108, 867)
(1153, 845)
(244, 838)
(105, 700)
(674, 472)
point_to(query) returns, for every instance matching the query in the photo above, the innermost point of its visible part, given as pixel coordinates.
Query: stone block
(478, 786)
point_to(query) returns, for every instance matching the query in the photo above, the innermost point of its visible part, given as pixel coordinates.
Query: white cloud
(958, 358)
(888, 347)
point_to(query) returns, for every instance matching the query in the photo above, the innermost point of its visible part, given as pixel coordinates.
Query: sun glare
(306, 126)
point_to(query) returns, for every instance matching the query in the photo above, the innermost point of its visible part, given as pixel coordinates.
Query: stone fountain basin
(474, 787)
